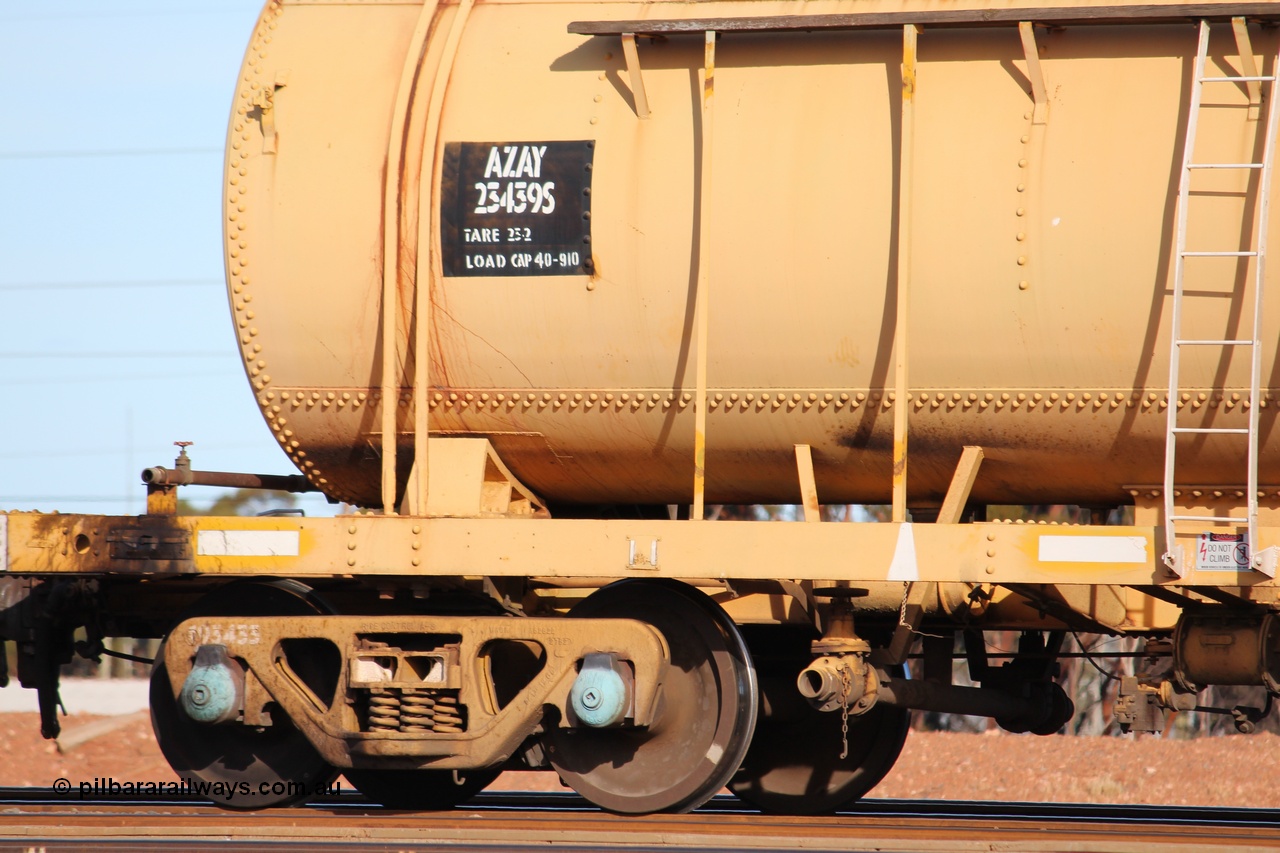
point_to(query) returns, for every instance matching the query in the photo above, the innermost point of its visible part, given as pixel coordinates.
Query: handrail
(1147, 13)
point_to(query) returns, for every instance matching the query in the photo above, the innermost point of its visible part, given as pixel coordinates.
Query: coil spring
(414, 710)
(384, 710)
(418, 711)
(448, 716)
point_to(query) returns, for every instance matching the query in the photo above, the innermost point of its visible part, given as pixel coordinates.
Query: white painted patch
(4, 543)
(904, 566)
(714, 753)
(1093, 549)
(247, 543)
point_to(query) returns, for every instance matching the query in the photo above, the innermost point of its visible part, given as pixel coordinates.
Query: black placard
(516, 208)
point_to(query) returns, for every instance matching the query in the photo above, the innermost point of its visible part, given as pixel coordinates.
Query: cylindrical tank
(558, 231)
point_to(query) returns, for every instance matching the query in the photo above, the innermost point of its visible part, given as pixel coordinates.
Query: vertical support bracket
(389, 396)
(1039, 93)
(428, 268)
(808, 486)
(1248, 66)
(632, 57)
(905, 172)
(391, 266)
(704, 275)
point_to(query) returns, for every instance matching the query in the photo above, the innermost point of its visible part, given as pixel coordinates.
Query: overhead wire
(110, 285)
(107, 152)
(161, 12)
(64, 499)
(119, 451)
(137, 354)
(115, 378)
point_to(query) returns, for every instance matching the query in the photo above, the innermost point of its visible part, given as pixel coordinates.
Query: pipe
(159, 476)
(950, 699)
(1044, 711)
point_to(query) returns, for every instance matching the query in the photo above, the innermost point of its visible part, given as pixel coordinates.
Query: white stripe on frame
(247, 543)
(1093, 549)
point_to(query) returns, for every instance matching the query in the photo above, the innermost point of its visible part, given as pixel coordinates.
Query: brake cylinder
(1241, 650)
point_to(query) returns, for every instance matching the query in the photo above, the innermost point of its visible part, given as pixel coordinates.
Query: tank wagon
(531, 286)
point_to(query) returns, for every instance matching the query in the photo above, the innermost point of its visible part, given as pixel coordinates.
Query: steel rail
(515, 821)
(567, 801)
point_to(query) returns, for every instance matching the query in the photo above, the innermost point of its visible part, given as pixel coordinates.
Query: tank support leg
(1039, 93)
(808, 485)
(1248, 65)
(632, 57)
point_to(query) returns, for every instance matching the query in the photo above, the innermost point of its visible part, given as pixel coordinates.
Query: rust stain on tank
(866, 437)
(846, 353)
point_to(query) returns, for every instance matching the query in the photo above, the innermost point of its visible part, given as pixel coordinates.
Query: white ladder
(1264, 561)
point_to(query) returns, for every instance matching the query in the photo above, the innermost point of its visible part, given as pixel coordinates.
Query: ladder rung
(1212, 430)
(1219, 254)
(1224, 165)
(1216, 343)
(1227, 518)
(1236, 79)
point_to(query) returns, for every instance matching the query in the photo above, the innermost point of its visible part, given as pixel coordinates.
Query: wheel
(420, 790)
(794, 764)
(795, 768)
(233, 765)
(705, 719)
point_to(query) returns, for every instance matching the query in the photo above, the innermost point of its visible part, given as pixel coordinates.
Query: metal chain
(845, 689)
(902, 608)
(902, 615)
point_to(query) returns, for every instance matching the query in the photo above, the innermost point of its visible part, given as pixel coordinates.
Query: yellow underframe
(32, 543)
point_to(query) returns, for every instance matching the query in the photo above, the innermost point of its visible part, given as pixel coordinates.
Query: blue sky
(115, 339)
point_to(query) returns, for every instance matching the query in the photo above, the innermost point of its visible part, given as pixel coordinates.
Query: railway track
(42, 819)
